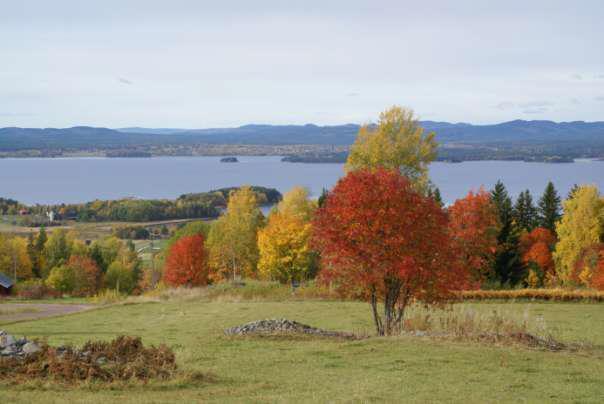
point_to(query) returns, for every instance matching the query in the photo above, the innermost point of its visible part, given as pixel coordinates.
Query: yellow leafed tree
(297, 203)
(283, 244)
(581, 227)
(397, 142)
(14, 257)
(232, 240)
(285, 255)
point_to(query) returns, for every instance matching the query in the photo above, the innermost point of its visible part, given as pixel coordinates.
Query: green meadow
(217, 368)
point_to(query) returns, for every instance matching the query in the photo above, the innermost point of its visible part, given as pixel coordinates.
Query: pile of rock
(13, 347)
(283, 326)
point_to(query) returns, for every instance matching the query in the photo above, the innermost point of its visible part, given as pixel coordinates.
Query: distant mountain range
(517, 132)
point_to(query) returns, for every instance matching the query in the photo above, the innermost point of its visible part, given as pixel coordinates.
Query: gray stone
(280, 326)
(30, 348)
(9, 351)
(6, 340)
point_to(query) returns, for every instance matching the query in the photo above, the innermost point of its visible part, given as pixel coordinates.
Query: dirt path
(11, 312)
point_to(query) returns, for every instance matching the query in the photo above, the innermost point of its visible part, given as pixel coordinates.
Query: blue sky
(198, 64)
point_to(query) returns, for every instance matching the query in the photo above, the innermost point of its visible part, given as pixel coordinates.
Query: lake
(54, 180)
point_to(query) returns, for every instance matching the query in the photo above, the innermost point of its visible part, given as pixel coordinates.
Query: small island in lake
(229, 160)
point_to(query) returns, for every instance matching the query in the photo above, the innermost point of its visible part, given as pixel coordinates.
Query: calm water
(83, 179)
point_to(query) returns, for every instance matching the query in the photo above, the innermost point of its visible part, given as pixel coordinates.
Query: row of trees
(65, 264)
(196, 205)
(243, 243)
(382, 233)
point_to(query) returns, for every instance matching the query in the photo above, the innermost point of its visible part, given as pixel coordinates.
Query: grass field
(296, 369)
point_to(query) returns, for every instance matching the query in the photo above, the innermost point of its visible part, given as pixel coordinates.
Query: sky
(200, 64)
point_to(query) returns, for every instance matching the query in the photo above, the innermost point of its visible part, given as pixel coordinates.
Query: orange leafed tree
(87, 275)
(474, 225)
(536, 248)
(186, 263)
(380, 238)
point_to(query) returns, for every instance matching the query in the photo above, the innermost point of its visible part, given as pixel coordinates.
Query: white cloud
(194, 64)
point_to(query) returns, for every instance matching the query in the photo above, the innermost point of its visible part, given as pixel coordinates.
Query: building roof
(5, 281)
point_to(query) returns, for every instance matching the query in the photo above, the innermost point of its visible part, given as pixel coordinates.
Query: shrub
(87, 275)
(131, 232)
(108, 296)
(62, 279)
(34, 289)
(186, 263)
(120, 277)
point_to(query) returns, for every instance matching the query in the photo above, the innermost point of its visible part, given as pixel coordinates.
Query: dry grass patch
(496, 326)
(560, 295)
(123, 359)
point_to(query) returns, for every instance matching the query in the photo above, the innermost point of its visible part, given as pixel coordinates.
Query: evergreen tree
(41, 240)
(525, 213)
(434, 193)
(572, 191)
(37, 252)
(549, 208)
(34, 256)
(508, 267)
(503, 202)
(322, 197)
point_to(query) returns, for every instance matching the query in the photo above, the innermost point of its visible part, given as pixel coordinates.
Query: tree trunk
(376, 317)
(393, 288)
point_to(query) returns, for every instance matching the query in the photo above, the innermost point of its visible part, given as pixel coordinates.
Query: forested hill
(517, 131)
(82, 137)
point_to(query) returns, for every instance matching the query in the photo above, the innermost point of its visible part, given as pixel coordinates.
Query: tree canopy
(186, 263)
(381, 238)
(396, 142)
(474, 226)
(232, 241)
(581, 227)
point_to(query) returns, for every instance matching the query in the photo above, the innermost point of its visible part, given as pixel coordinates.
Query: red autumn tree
(186, 263)
(536, 248)
(87, 275)
(474, 225)
(378, 236)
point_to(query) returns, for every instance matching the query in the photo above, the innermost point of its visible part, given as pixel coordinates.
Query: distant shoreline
(290, 158)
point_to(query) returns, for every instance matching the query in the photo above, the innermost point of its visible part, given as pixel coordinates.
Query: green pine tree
(41, 240)
(525, 212)
(572, 191)
(507, 268)
(34, 256)
(434, 193)
(322, 197)
(549, 208)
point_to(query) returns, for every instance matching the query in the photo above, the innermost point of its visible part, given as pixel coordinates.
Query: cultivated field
(313, 369)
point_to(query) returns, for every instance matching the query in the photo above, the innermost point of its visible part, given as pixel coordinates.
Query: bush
(120, 278)
(108, 296)
(62, 279)
(87, 275)
(132, 232)
(34, 289)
